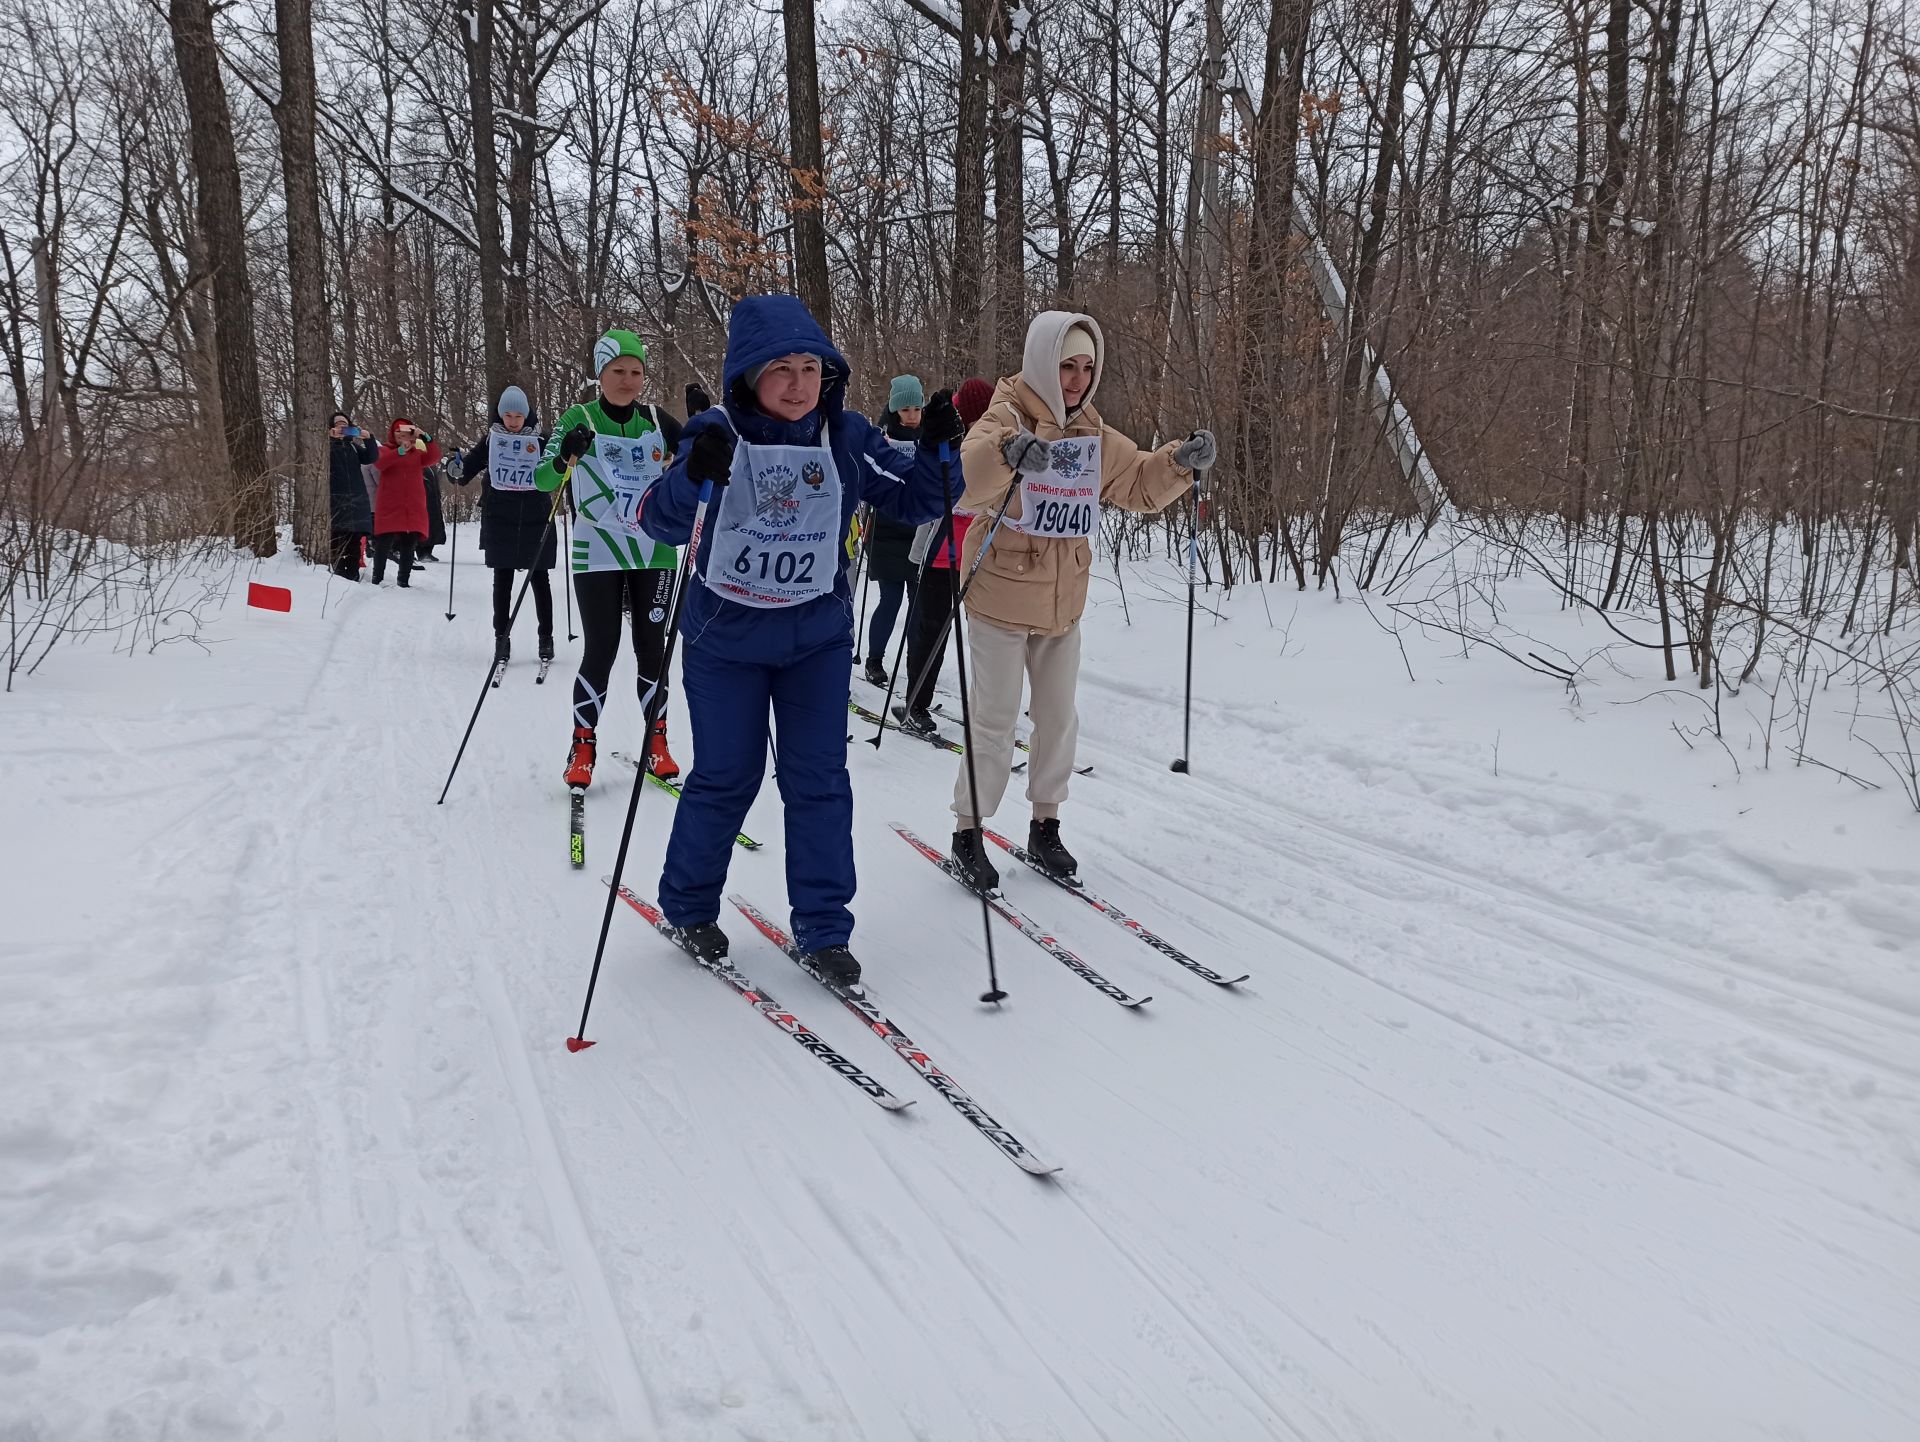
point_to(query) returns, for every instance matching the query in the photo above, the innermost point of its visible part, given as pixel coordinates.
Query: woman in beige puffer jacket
(1043, 461)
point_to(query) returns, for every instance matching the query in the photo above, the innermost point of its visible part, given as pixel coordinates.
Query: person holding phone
(400, 509)
(349, 510)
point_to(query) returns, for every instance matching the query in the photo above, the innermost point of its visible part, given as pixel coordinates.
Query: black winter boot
(970, 860)
(918, 722)
(502, 650)
(1044, 846)
(546, 645)
(837, 965)
(706, 941)
(876, 673)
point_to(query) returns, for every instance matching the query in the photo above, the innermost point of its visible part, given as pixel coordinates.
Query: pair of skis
(577, 813)
(870, 1016)
(935, 738)
(540, 677)
(1048, 942)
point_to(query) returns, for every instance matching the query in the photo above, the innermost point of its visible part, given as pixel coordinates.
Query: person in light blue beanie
(889, 542)
(516, 529)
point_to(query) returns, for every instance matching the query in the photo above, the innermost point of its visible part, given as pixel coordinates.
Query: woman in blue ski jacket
(767, 620)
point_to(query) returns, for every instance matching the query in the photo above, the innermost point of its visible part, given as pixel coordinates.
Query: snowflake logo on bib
(773, 502)
(1067, 462)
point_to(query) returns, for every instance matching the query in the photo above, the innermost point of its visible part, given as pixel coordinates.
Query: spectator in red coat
(400, 508)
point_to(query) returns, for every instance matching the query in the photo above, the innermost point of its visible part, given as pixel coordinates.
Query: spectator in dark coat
(351, 512)
(517, 532)
(436, 519)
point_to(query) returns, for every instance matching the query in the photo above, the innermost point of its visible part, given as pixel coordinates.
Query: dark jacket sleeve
(906, 487)
(476, 459)
(667, 506)
(369, 451)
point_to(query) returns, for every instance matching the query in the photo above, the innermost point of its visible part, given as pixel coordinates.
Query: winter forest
(1632, 287)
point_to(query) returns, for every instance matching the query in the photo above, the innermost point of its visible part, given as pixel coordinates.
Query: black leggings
(648, 594)
(384, 546)
(503, 602)
(927, 636)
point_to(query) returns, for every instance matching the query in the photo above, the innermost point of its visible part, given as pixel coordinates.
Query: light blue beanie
(512, 399)
(905, 394)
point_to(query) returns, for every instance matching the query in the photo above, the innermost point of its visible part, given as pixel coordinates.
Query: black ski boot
(970, 860)
(920, 723)
(706, 941)
(546, 646)
(876, 673)
(502, 650)
(1043, 845)
(837, 965)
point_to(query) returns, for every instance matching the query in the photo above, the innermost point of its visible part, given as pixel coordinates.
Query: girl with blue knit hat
(610, 450)
(767, 620)
(890, 543)
(516, 530)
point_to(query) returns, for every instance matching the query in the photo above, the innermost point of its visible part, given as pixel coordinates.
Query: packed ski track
(1565, 1099)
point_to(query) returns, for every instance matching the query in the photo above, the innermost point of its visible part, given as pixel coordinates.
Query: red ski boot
(580, 758)
(660, 760)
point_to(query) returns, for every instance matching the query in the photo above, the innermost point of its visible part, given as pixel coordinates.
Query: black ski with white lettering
(809, 1040)
(1117, 916)
(540, 676)
(1027, 926)
(878, 1023)
(672, 788)
(932, 738)
(499, 674)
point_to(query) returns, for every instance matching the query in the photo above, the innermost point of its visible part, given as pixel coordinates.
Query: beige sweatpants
(997, 658)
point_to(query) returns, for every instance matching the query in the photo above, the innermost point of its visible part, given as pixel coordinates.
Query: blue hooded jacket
(764, 328)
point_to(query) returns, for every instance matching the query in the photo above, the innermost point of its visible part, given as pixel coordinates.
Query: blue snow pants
(728, 704)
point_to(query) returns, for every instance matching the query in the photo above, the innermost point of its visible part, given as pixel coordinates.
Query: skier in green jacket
(611, 449)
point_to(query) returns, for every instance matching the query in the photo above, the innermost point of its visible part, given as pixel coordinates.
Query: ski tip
(1136, 1002)
(575, 1043)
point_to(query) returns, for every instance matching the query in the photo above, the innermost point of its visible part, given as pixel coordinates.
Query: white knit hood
(1040, 364)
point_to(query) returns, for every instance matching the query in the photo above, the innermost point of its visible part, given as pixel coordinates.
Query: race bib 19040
(1063, 500)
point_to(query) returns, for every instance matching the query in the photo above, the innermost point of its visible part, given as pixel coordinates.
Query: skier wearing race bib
(514, 531)
(611, 449)
(1043, 454)
(889, 542)
(767, 622)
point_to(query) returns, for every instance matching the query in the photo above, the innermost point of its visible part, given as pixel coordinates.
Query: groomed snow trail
(1545, 1115)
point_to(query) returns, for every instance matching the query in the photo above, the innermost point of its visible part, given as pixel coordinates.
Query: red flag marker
(269, 598)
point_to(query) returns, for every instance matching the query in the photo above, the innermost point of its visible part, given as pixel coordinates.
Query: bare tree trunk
(1009, 188)
(306, 277)
(475, 19)
(969, 193)
(809, 170)
(223, 223)
(1276, 135)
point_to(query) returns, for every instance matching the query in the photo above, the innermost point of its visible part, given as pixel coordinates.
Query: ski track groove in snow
(1386, 1190)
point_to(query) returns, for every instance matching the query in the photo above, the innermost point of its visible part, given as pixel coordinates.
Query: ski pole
(487, 685)
(952, 616)
(453, 564)
(864, 515)
(569, 588)
(651, 708)
(993, 993)
(1193, 560)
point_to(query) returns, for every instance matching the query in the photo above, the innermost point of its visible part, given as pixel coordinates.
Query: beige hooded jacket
(1039, 582)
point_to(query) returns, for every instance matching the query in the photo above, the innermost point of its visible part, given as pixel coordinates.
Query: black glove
(697, 399)
(711, 459)
(575, 444)
(940, 423)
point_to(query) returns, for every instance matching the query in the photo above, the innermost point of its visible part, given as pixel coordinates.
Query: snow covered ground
(1574, 1094)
